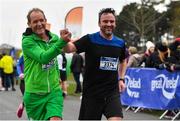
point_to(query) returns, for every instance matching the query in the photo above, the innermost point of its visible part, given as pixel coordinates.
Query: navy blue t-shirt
(101, 64)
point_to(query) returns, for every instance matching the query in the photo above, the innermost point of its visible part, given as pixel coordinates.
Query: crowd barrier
(153, 89)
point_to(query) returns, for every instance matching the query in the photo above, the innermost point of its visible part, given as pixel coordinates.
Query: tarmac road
(9, 101)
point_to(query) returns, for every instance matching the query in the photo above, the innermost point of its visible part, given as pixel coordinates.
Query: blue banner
(151, 88)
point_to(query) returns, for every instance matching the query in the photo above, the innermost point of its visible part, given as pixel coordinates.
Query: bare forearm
(122, 69)
(69, 48)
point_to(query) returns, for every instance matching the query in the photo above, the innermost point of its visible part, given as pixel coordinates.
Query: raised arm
(66, 35)
(70, 47)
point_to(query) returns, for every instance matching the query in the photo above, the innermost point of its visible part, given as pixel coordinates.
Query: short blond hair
(132, 50)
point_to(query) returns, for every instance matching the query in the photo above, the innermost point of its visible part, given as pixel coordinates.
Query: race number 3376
(108, 63)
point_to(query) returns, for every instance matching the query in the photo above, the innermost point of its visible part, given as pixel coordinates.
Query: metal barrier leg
(163, 114)
(175, 116)
(137, 109)
(127, 108)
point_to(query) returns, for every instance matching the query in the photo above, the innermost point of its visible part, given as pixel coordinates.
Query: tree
(174, 18)
(139, 19)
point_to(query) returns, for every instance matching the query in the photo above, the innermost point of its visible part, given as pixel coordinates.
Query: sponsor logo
(49, 65)
(132, 86)
(167, 85)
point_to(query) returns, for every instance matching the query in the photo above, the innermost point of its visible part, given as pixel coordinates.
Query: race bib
(108, 63)
(49, 65)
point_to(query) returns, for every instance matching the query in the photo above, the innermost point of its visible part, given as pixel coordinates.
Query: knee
(55, 119)
(114, 119)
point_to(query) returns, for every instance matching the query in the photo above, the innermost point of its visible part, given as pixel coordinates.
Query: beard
(107, 33)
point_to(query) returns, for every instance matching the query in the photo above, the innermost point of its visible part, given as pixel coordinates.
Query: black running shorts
(92, 109)
(63, 75)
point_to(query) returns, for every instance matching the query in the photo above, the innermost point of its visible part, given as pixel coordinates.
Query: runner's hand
(21, 76)
(65, 35)
(122, 86)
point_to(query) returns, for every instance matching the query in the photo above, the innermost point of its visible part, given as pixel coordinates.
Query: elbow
(66, 50)
(69, 48)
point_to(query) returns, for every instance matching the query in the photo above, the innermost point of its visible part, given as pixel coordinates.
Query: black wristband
(122, 79)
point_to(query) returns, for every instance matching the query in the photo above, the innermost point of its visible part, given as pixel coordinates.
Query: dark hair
(36, 10)
(161, 46)
(106, 10)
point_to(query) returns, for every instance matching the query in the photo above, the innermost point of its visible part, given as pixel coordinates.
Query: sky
(13, 15)
(160, 7)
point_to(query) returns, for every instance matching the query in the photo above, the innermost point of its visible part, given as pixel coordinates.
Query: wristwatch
(122, 79)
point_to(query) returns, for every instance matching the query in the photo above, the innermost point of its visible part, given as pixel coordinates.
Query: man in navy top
(20, 70)
(105, 68)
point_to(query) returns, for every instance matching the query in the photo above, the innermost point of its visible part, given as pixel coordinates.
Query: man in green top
(43, 97)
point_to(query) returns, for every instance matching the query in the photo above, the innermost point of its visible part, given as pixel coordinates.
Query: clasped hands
(65, 35)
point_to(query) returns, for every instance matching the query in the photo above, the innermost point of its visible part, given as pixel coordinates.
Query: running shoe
(20, 110)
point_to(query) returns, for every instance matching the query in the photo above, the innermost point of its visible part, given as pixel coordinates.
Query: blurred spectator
(1, 75)
(12, 53)
(7, 64)
(135, 59)
(62, 63)
(175, 53)
(159, 57)
(149, 50)
(20, 71)
(76, 68)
